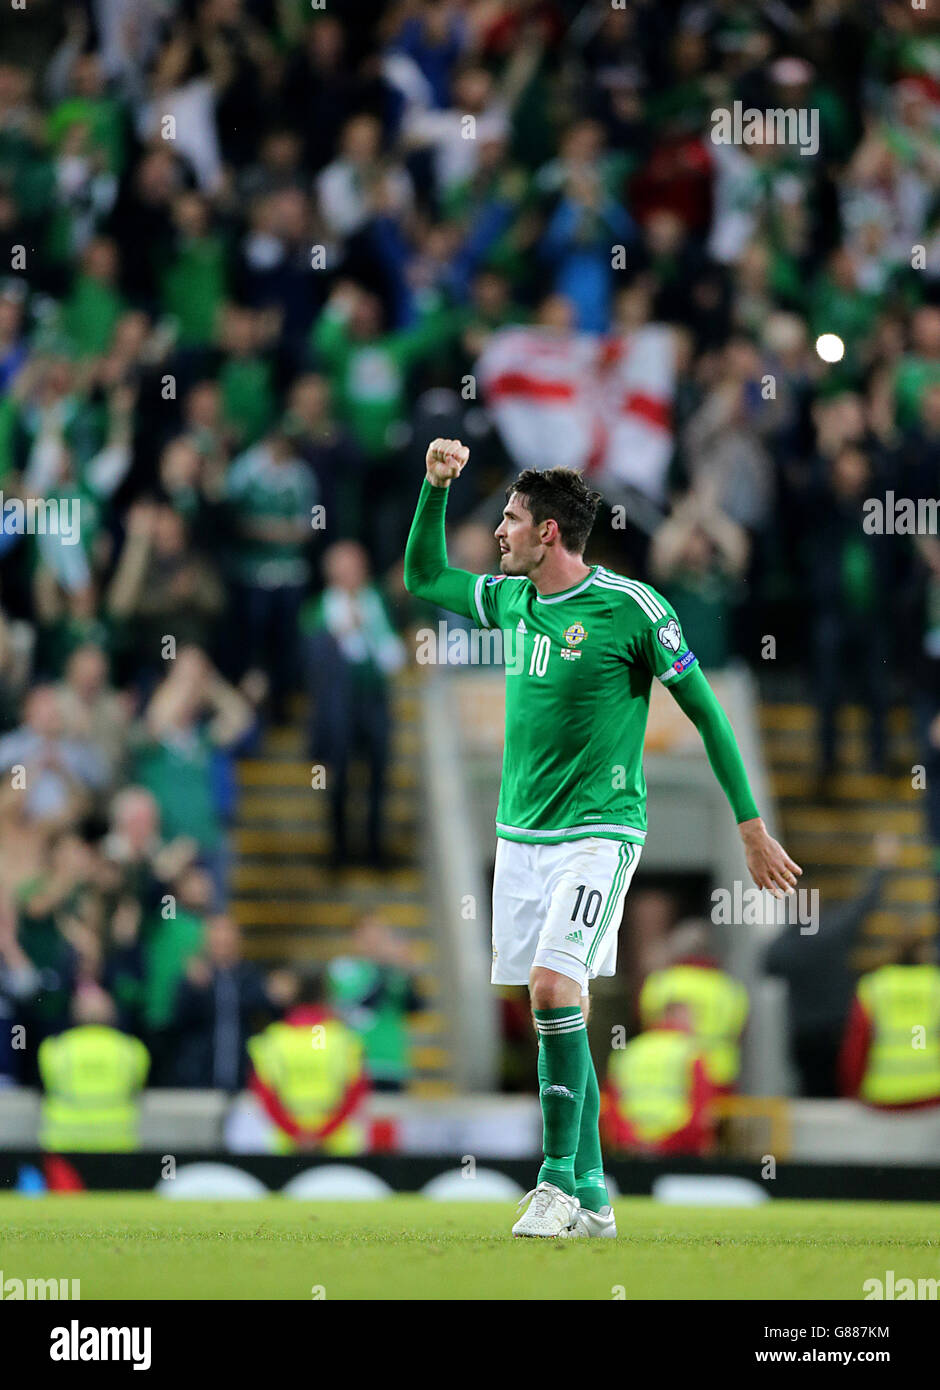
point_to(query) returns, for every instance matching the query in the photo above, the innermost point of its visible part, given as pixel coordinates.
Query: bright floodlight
(830, 347)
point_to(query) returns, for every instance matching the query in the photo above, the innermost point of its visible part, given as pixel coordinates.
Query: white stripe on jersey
(633, 586)
(637, 598)
(637, 591)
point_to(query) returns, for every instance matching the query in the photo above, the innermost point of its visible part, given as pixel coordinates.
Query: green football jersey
(579, 669)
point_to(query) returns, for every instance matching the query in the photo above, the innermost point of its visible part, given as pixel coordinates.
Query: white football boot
(593, 1223)
(551, 1212)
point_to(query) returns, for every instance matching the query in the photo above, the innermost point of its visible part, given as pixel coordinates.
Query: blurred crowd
(252, 253)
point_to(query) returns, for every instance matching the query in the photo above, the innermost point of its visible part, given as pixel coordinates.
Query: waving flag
(640, 385)
(540, 388)
(575, 400)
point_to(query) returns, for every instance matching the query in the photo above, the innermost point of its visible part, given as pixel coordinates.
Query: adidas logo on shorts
(576, 937)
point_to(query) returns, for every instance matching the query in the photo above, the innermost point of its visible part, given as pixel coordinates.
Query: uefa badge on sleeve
(670, 636)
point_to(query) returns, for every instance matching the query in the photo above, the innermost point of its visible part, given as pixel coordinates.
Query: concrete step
(263, 876)
(304, 941)
(811, 851)
(430, 1023)
(297, 773)
(407, 683)
(294, 806)
(302, 913)
(291, 745)
(405, 710)
(801, 750)
(431, 1057)
(800, 785)
(900, 890)
(899, 923)
(850, 719)
(432, 1089)
(837, 820)
(286, 843)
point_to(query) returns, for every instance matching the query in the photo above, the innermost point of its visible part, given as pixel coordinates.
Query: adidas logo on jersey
(576, 937)
(521, 627)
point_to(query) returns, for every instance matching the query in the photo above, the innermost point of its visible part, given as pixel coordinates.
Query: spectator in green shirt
(172, 936)
(272, 493)
(192, 716)
(698, 561)
(919, 369)
(91, 312)
(373, 990)
(89, 104)
(195, 282)
(246, 378)
(370, 371)
(369, 367)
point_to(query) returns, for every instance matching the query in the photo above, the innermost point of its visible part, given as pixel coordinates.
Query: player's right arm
(427, 573)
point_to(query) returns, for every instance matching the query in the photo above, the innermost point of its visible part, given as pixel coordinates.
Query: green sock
(590, 1187)
(564, 1058)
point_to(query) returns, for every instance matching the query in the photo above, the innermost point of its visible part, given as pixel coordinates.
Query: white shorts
(559, 906)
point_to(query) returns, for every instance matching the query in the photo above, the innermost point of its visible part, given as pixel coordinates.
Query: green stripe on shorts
(622, 866)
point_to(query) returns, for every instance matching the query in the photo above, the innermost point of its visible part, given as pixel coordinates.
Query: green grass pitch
(139, 1246)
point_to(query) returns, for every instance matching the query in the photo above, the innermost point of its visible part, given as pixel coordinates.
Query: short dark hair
(311, 986)
(560, 495)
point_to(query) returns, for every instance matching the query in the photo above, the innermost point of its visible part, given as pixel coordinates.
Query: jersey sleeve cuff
(679, 669)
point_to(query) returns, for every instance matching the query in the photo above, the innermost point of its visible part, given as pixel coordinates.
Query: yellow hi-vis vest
(653, 1076)
(310, 1067)
(718, 1007)
(91, 1076)
(903, 1003)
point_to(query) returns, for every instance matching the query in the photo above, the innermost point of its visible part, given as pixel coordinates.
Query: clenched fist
(445, 461)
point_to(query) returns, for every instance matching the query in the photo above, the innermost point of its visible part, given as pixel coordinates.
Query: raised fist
(445, 461)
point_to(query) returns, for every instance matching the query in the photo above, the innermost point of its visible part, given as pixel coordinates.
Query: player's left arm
(661, 645)
(769, 864)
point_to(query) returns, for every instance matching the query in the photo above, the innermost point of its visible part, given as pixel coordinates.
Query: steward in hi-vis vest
(891, 1051)
(92, 1076)
(716, 1001)
(309, 1076)
(657, 1093)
